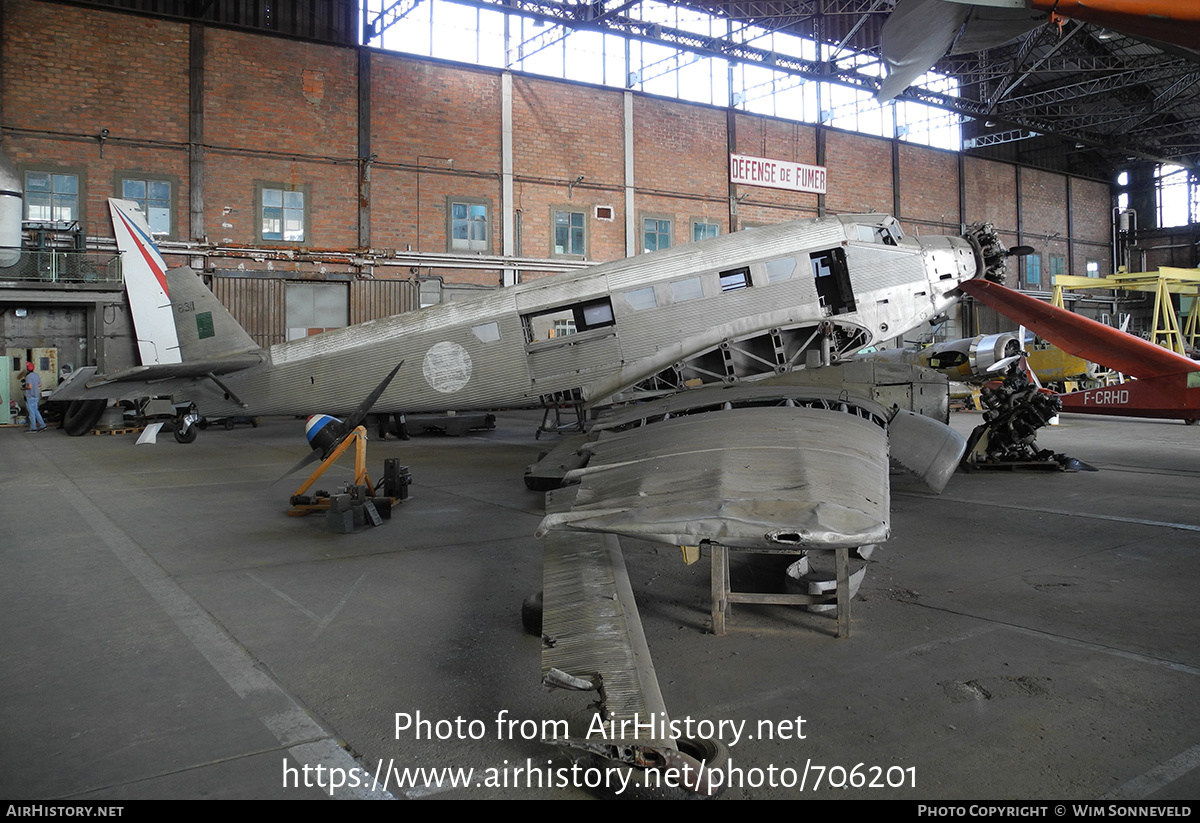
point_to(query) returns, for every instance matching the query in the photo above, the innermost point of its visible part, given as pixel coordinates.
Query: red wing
(1081, 336)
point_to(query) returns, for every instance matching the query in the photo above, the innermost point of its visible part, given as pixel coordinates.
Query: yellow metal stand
(1168, 331)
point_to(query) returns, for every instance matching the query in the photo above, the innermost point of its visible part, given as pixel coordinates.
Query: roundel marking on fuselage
(447, 367)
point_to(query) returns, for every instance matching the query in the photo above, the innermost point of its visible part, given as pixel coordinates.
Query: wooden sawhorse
(723, 595)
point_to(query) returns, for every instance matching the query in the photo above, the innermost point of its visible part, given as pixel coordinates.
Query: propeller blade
(357, 416)
(1028, 369)
(312, 457)
(344, 428)
(1020, 251)
(1001, 365)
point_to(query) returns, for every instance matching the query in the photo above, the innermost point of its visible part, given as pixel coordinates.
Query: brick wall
(286, 112)
(990, 193)
(860, 173)
(929, 189)
(552, 149)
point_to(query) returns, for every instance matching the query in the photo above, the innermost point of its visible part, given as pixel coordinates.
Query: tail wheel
(185, 433)
(81, 415)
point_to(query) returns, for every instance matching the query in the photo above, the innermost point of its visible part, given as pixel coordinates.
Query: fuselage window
(735, 279)
(781, 269)
(689, 289)
(569, 319)
(832, 276)
(641, 298)
(594, 314)
(487, 333)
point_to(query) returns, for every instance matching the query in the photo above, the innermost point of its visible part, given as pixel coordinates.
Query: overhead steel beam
(388, 16)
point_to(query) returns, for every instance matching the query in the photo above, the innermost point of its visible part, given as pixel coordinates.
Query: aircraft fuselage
(589, 333)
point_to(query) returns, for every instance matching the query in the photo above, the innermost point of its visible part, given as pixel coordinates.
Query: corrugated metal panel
(259, 305)
(376, 299)
(755, 478)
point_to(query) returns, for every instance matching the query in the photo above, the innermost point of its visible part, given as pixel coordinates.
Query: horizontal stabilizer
(1082, 336)
(145, 381)
(199, 368)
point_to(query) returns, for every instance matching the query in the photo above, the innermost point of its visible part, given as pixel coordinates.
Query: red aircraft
(1167, 385)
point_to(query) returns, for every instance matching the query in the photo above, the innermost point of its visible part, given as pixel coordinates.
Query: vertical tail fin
(205, 328)
(146, 285)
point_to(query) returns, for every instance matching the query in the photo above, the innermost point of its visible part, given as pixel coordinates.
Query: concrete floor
(169, 633)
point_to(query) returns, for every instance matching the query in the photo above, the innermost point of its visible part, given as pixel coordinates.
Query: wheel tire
(81, 415)
(712, 753)
(228, 424)
(1193, 421)
(183, 435)
(531, 614)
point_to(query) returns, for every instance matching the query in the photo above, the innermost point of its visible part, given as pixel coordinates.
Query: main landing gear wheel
(81, 415)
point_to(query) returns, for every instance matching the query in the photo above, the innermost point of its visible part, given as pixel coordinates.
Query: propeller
(1021, 355)
(325, 432)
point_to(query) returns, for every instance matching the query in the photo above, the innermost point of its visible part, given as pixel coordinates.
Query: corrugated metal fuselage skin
(663, 307)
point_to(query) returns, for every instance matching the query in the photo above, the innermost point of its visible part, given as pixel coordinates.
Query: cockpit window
(884, 233)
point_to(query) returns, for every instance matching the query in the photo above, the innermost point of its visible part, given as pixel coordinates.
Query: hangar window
(154, 196)
(570, 233)
(1058, 265)
(833, 281)
(51, 196)
(656, 234)
(468, 224)
(284, 213)
(1033, 269)
(703, 231)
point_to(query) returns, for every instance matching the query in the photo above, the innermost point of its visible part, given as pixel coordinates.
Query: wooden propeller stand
(357, 438)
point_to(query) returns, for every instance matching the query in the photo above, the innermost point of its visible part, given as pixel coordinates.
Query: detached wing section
(1082, 336)
(745, 478)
